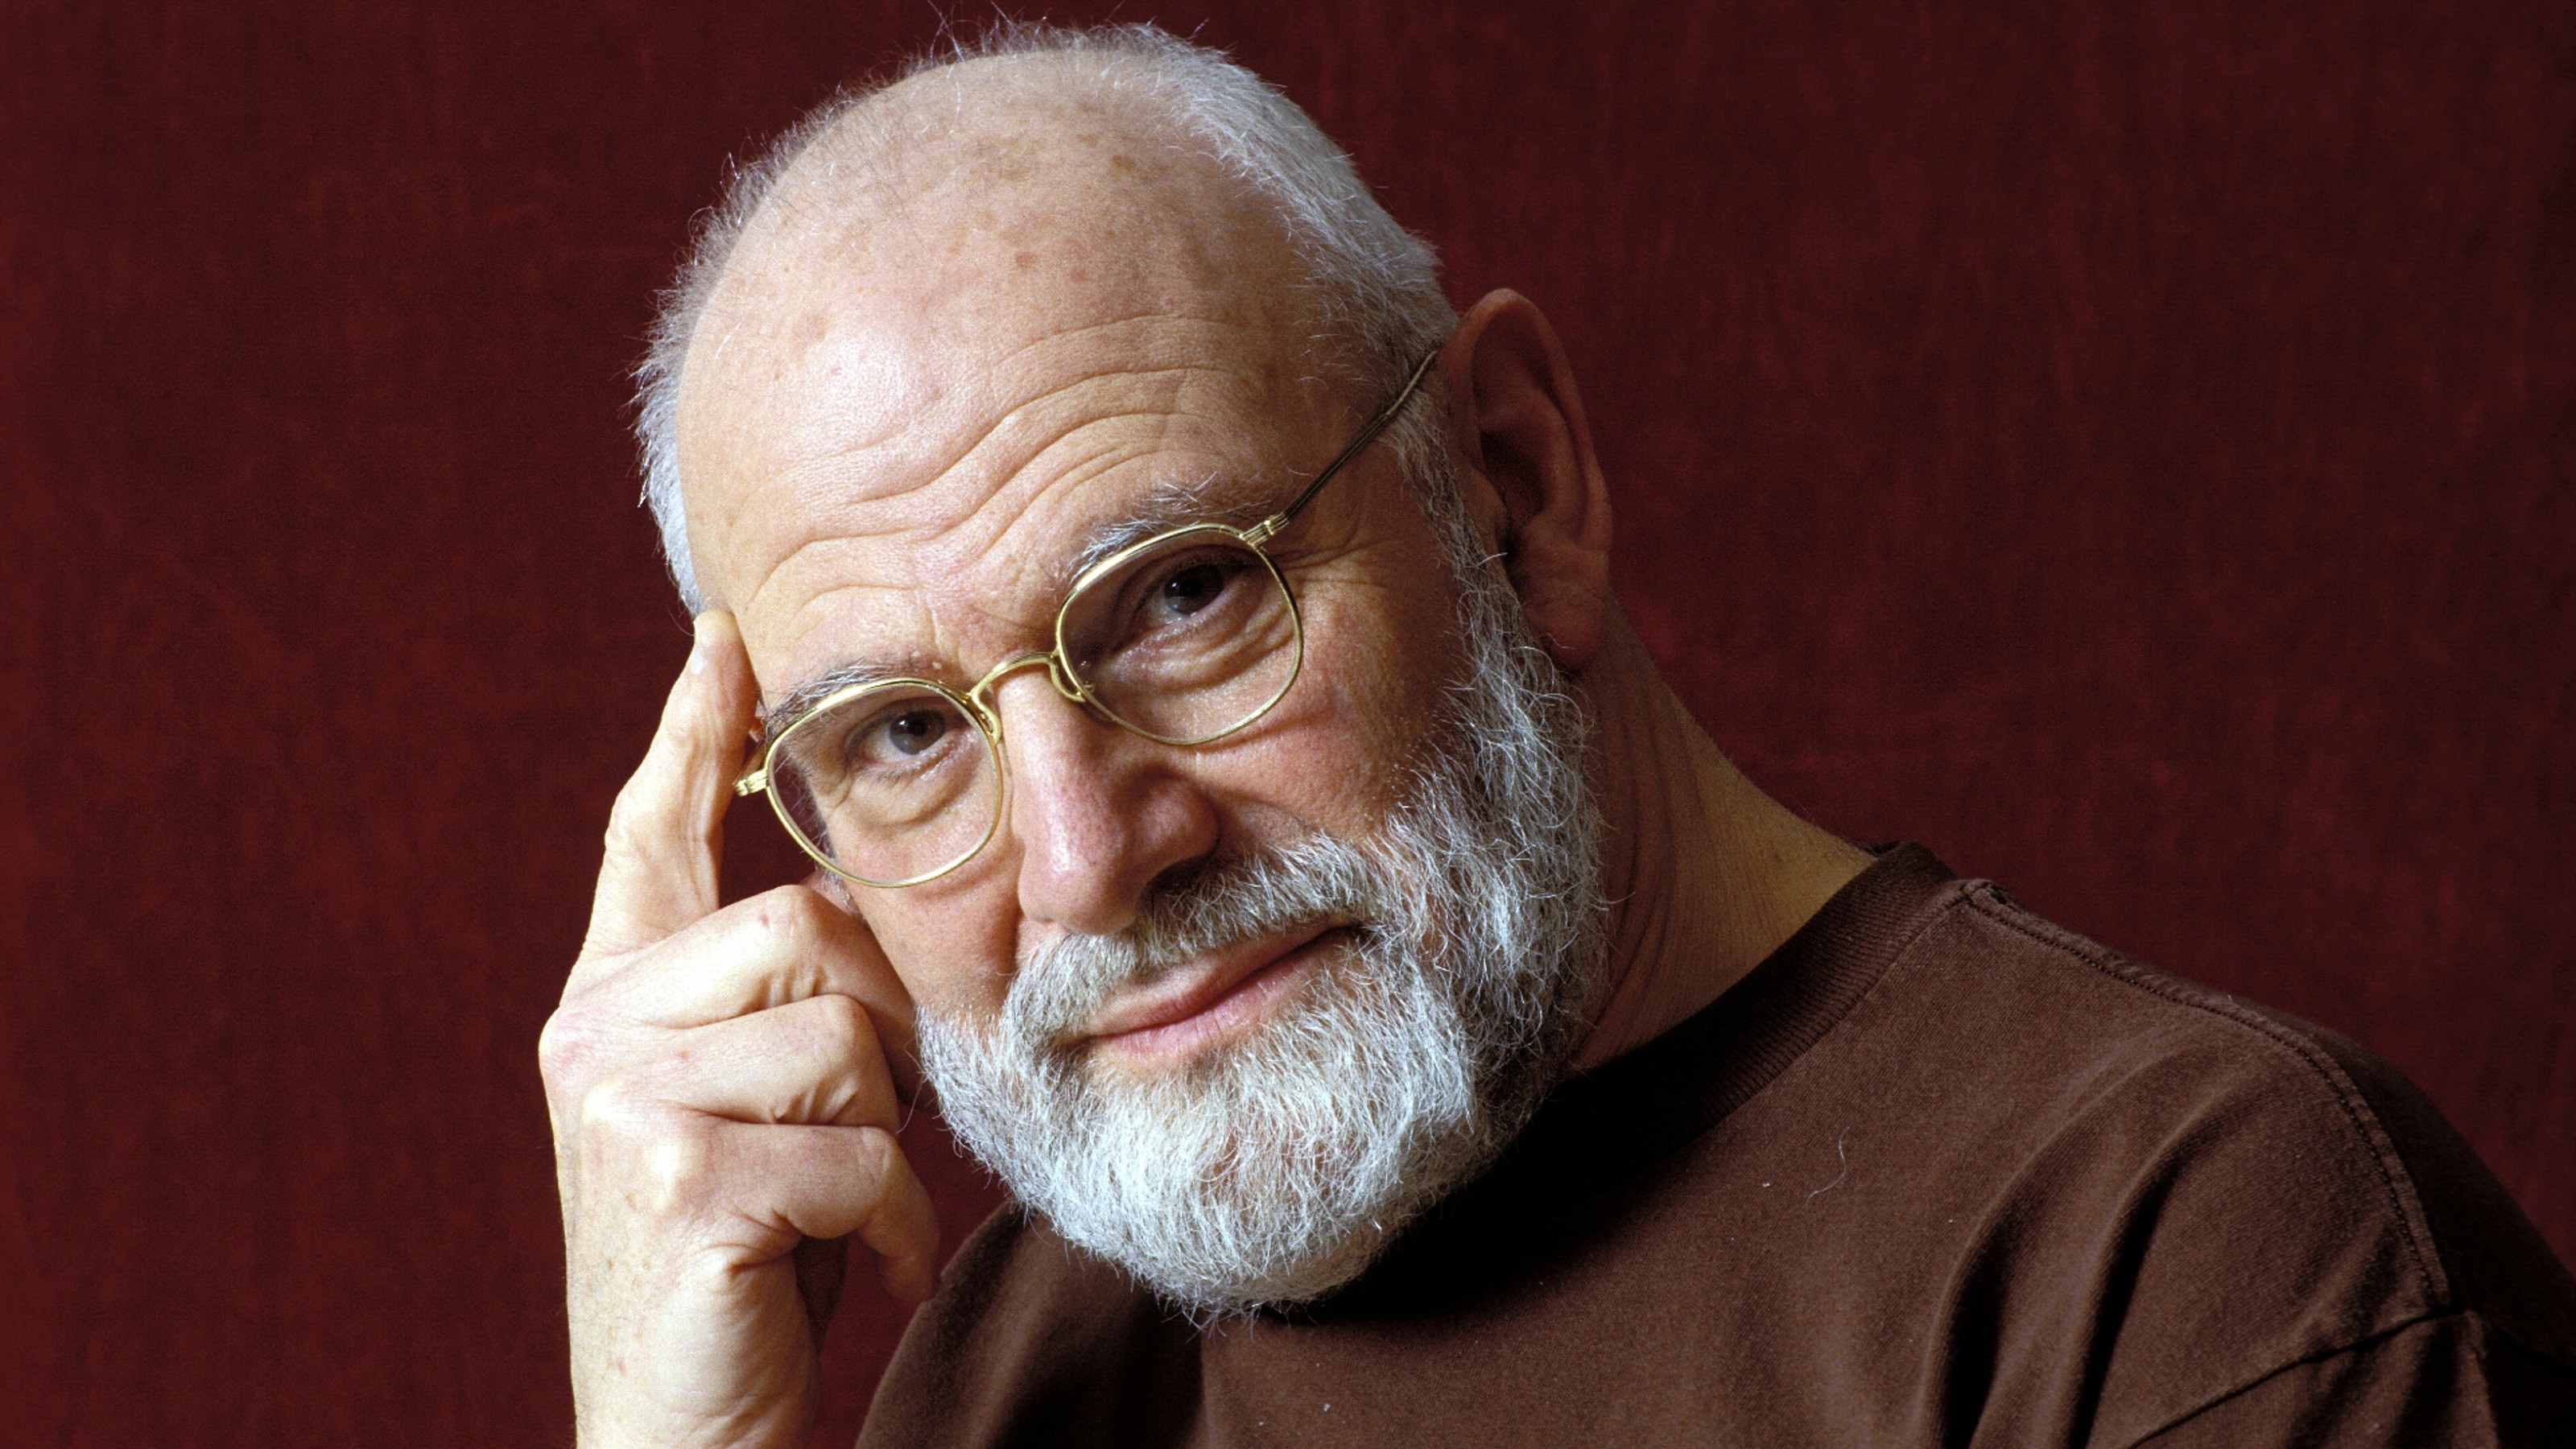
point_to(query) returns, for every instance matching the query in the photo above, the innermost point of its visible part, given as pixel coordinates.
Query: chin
(1272, 1167)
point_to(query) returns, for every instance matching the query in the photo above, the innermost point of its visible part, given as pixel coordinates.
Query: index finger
(666, 833)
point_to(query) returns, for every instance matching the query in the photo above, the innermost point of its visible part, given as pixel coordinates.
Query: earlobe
(1533, 485)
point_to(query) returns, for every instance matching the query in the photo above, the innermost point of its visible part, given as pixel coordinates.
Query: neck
(1706, 875)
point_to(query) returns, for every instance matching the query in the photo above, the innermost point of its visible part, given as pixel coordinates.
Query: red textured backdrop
(2134, 453)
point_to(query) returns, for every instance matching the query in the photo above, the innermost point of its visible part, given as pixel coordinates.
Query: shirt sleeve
(2452, 1381)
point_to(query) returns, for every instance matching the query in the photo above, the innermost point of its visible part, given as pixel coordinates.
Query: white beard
(1276, 1168)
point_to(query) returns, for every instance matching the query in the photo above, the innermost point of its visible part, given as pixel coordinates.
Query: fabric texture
(1936, 1173)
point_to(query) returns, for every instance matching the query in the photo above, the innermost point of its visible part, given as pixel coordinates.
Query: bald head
(1055, 183)
(993, 182)
(978, 216)
(1040, 158)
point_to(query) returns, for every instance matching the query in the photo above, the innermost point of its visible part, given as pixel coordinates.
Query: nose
(1097, 813)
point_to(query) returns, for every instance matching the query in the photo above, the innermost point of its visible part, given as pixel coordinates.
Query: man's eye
(1188, 590)
(1189, 599)
(915, 730)
(895, 738)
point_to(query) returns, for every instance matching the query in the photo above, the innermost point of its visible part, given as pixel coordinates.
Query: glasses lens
(892, 785)
(1191, 638)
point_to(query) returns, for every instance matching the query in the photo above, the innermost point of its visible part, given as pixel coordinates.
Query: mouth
(1217, 1002)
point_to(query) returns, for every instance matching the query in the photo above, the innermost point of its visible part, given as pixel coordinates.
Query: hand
(719, 1097)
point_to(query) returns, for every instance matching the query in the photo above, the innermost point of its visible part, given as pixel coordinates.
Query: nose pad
(986, 703)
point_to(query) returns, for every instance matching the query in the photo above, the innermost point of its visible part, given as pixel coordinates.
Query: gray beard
(1275, 1169)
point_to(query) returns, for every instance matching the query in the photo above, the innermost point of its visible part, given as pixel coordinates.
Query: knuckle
(687, 744)
(633, 797)
(676, 1169)
(791, 927)
(796, 913)
(847, 1032)
(564, 1048)
(606, 1105)
(681, 729)
(647, 812)
(624, 838)
(664, 1160)
(876, 1155)
(618, 1113)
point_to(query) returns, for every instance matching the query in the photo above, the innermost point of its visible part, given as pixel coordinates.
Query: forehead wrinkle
(1174, 495)
(955, 597)
(1051, 422)
(824, 530)
(918, 544)
(1156, 322)
(1048, 483)
(1188, 327)
(975, 408)
(926, 541)
(1020, 427)
(1032, 423)
(1053, 443)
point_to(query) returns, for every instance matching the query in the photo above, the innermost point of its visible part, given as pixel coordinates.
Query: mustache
(1219, 903)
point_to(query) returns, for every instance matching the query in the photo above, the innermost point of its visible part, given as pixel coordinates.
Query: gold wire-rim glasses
(977, 704)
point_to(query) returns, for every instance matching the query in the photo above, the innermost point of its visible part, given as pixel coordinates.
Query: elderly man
(1187, 648)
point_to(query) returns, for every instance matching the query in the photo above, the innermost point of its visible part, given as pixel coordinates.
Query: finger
(665, 835)
(831, 1182)
(813, 1063)
(784, 945)
(895, 1028)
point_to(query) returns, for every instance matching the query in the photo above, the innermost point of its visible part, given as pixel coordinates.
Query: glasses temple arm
(1262, 531)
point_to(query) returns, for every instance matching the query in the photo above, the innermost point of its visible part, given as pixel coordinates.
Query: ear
(1532, 485)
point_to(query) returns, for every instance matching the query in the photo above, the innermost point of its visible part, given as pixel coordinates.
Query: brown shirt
(1936, 1173)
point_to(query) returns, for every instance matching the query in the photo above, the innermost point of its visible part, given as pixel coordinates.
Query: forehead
(929, 376)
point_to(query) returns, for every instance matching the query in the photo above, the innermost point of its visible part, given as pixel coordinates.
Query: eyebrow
(822, 687)
(1171, 505)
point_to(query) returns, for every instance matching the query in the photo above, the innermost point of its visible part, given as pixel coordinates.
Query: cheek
(1387, 641)
(950, 942)
(1364, 708)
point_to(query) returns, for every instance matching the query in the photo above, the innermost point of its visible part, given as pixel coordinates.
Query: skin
(900, 418)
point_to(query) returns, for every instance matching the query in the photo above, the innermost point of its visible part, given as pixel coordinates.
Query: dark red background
(2133, 453)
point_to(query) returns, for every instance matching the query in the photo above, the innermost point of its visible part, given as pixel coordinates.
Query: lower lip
(1242, 1007)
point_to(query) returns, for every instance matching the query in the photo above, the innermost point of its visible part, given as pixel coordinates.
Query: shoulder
(2232, 1185)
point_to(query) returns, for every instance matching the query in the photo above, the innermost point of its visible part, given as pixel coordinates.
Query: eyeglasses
(1183, 638)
